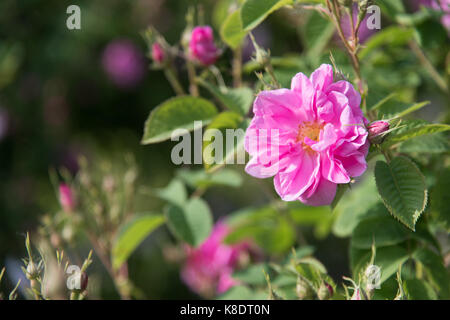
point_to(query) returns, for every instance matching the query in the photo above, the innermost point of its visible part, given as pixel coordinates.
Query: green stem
(193, 88)
(428, 66)
(171, 76)
(237, 67)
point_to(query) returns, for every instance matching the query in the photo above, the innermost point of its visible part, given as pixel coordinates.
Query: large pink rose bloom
(202, 47)
(310, 137)
(209, 267)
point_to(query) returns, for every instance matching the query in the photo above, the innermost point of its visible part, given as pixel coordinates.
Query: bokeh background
(65, 93)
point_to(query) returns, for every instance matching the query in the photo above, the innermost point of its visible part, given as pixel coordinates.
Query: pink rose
(66, 197)
(202, 47)
(310, 137)
(209, 267)
(157, 53)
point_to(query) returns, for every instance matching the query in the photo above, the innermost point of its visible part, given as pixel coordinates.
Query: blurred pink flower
(123, 63)
(157, 53)
(440, 5)
(364, 33)
(209, 267)
(311, 137)
(202, 47)
(66, 198)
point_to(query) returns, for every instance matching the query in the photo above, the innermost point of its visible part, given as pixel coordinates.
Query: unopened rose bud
(377, 131)
(356, 294)
(66, 198)
(32, 271)
(201, 46)
(157, 53)
(304, 290)
(325, 291)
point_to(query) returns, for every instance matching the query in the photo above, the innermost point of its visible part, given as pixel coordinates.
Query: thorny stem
(102, 254)
(237, 67)
(269, 70)
(428, 66)
(352, 50)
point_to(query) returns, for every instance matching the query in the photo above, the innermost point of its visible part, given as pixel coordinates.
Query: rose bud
(201, 46)
(377, 131)
(356, 294)
(325, 291)
(303, 289)
(66, 198)
(157, 53)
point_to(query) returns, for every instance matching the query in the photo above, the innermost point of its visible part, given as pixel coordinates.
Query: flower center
(310, 130)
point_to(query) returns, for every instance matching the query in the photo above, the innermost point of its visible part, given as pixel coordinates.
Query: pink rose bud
(157, 53)
(356, 295)
(202, 47)
(66, 198)
(377, 130)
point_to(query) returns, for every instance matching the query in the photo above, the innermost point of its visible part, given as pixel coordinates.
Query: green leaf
(418, 290)
(231, 31)
(435, 270)
(253, 275)
(381, 231)
(391, 36)
(439, 198)
(174, 192)
(398, 109)
(354, 206)
(316, 35)
(414, 129)
(291, 61)
(312, 270)
(266, 227)
(191, 223)
(391, 7)
(241, 292)
(176, 113)
(429, 143)
(202, 179)
(402, 188)
(320, 217)
(383, 101)
(238, 100)
(233, 142)
(253, 12)
(389, 259)
(131, 235)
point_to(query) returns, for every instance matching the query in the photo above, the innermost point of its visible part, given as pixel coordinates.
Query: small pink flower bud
(202, 47)
(66, 198)
(356, 294)
(157, 53)
(377, 130)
